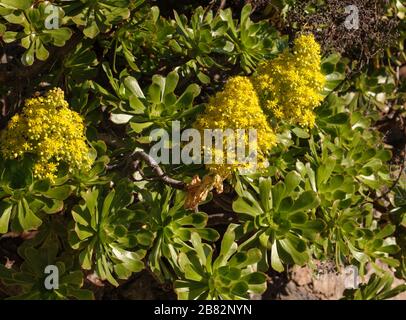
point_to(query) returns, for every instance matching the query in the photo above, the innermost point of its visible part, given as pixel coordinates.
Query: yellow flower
(237, 107)
(48, 129)
(290, 86)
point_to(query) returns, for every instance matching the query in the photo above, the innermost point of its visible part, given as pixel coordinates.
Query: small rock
(302, 275)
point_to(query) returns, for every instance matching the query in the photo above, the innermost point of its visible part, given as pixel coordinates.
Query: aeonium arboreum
(173, 226)
(279, 219)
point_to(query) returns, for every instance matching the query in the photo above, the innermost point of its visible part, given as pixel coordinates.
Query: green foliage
(203, 44)
(230, 276)
(34, 35)
(377, 288)
(23, 201)
(104, 238)
(159, 106)
(99, 16)
(173, 227)
(278, 216)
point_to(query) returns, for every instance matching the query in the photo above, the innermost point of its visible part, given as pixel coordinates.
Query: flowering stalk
(48, 129)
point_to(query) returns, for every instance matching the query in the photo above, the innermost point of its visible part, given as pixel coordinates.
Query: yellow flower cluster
(48, 129)
(289, 87)
(237, 107)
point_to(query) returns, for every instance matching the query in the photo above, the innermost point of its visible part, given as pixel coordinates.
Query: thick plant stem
(157, 170)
